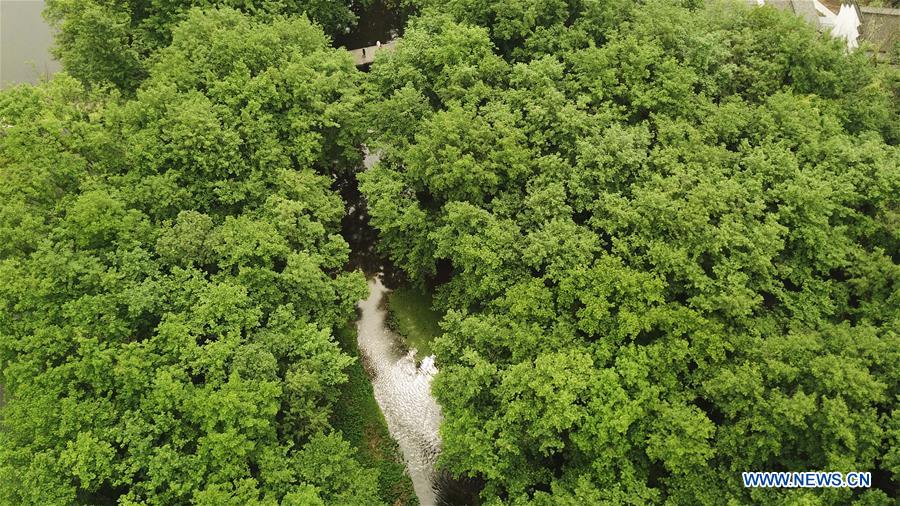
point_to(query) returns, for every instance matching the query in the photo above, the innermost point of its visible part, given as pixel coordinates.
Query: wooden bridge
(366, 55)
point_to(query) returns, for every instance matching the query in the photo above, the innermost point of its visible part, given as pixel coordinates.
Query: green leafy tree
(171, 274)
(107, 41)
(670, 231)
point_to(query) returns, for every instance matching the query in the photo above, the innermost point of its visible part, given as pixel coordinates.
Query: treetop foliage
(172, 273)
(106, 41)
(671, 236)
(665, 238)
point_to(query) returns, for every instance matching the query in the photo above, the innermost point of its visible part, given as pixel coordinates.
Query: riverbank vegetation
(358, 417)
(412, 316)
(664, 236)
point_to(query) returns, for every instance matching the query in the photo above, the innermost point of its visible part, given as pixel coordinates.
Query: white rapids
(403, 391)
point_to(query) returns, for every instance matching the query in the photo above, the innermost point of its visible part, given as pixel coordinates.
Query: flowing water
(402, 387)
(403, 391)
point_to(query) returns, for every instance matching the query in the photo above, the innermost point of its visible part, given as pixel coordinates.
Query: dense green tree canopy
(112, 40)
(665, 234)
(171, 273)
(672, 231)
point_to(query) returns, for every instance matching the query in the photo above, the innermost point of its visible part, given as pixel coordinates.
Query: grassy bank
(411, 316)
(358, 416)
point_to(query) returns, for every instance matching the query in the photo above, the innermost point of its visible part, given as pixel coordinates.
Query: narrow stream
(403, 391)
(402, 388)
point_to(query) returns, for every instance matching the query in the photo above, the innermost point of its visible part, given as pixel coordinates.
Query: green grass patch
(411, 316)
(358, 417)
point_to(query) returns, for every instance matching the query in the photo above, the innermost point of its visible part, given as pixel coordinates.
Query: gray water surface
(403, 391)
(25, 41)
